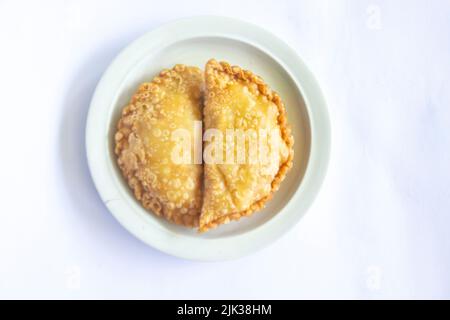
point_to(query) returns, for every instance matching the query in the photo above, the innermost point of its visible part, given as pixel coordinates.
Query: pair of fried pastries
(203, 194)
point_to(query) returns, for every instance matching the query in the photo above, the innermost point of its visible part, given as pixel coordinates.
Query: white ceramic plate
(193, 41)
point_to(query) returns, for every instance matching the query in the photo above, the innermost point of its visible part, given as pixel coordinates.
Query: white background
(380, 227)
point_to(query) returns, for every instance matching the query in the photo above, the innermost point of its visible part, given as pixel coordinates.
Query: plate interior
(196, 52)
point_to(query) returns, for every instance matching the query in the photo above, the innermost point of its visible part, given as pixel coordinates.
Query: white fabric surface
(379, 227)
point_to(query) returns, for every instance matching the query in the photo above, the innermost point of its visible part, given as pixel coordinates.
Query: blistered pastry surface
(238, 99)
(143, 144)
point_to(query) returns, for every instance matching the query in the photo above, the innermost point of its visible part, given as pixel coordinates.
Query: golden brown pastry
(173, 100)
(238, 99)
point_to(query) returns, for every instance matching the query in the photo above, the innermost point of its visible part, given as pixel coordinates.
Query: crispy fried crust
(215, 69)
(173, 99)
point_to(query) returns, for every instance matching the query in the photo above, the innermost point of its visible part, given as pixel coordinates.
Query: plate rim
(220, 249)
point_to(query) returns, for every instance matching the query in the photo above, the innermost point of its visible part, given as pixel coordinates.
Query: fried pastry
(239, 100)
(143, 144)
